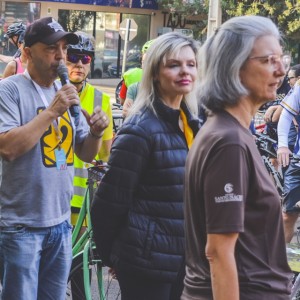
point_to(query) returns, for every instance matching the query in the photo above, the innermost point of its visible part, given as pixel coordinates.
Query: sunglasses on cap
(75, 58)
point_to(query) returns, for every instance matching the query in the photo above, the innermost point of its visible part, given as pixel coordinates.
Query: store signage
(146, 4)
(176, 20)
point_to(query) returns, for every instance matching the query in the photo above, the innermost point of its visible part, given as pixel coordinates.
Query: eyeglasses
(289, 78)
(75, 58)
(271, 59)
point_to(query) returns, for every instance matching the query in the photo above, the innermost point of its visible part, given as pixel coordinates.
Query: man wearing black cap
(38, 137)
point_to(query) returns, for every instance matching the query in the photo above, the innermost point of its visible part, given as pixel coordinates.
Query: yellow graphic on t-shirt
(50, 142)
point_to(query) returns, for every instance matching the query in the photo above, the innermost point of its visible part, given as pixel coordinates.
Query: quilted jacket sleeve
(113, 198)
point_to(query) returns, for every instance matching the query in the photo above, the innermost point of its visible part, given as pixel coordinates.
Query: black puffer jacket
(137, 213)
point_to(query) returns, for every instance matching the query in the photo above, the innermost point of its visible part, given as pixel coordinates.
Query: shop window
(105, 28)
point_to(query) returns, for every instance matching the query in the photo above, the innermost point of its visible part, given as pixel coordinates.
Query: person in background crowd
(137, 213)
(292, 77)
(235, 245)
(38, 136)
(132, 90)
(273, 110)
(291, 201)
(132, 75)
(274, 115)
(15, 34)
(272, 106)
(129, 77)
(18, 65)
(79, 59)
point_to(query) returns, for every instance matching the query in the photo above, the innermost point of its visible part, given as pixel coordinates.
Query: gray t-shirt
(33, 192)
(228, 190)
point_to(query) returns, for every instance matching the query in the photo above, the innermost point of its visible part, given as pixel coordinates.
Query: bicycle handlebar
(264, 137)
(266, 145)
(116, 105)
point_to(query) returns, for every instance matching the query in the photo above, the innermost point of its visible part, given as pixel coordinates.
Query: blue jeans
(35, 262)
(291, 195)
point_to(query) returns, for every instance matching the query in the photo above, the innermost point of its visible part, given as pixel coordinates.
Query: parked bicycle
(293, 254)
(88, 272)
(268, 149)
(117, 114)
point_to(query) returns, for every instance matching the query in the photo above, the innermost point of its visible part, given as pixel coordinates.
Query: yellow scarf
(188, 133)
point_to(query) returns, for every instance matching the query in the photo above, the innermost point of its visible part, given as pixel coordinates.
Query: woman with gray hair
(235, 245)
(137, 213)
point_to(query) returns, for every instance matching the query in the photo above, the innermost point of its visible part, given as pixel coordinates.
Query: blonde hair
(158, 53)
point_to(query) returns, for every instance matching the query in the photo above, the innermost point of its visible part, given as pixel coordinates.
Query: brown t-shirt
(228, 189)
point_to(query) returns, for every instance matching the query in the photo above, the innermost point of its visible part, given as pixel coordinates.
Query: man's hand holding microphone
(67, 98)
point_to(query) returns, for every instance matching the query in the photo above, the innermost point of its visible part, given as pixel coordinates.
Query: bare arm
(276, 114)
(268, 117)
(10, 69)
(20, 140)
(220, 250)
(6, 59)
(17, 141)
(126, 106)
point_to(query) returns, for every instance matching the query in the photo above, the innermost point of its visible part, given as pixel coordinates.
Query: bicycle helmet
(146, 46)
(16, 29)
(86, 45)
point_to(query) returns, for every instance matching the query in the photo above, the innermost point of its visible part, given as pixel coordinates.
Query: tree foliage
(185, 7)
(285, 13)
(76, 20)
(197, 9)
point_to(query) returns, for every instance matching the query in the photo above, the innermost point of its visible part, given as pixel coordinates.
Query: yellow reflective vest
(90, 97)
(132, 75)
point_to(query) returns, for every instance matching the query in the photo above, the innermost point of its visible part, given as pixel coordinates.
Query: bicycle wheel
(101, 284)
(295, 294)
(275, 175)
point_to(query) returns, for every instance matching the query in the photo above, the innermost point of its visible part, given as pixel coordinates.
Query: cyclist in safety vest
(132, 75)
(132, 89)
(79, 59)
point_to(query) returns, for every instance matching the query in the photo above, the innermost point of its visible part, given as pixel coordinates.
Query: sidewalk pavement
(106, 85)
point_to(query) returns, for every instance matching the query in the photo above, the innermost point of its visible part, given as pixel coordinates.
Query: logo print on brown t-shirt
(228, 188)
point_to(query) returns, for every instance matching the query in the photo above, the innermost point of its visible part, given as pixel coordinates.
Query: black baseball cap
(47, 31)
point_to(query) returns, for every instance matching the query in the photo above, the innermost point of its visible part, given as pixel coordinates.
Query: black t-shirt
(228, 190)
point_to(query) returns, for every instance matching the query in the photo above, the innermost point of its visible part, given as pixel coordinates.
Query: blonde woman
(138, 209)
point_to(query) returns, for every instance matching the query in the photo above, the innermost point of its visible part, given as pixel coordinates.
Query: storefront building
(102, 19)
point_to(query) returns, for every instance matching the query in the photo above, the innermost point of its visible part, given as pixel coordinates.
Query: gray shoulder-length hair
(159, 51)
(223, 55)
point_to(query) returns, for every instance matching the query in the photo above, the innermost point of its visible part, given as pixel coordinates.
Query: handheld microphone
(62, 72)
